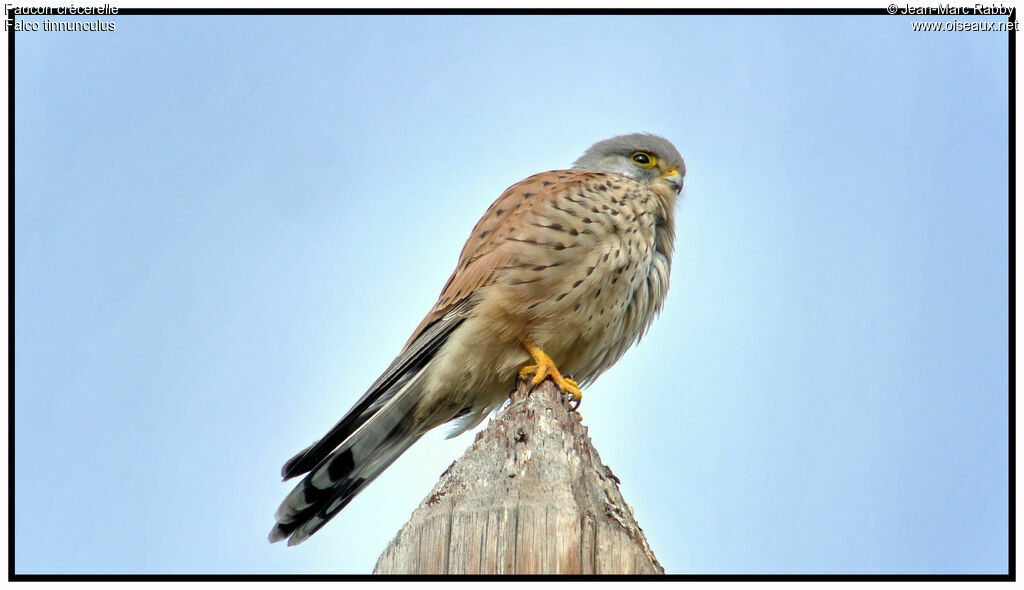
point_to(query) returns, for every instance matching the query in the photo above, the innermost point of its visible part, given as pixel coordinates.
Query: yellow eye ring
(644, 159)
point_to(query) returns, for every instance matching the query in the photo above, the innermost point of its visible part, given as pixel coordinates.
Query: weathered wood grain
(530, 496)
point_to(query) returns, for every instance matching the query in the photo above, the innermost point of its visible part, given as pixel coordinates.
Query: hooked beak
(673, 178)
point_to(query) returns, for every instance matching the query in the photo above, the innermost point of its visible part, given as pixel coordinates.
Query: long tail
(364, 455)
(377, 430)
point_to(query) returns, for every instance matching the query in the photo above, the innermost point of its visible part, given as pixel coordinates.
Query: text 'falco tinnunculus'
(563, 273)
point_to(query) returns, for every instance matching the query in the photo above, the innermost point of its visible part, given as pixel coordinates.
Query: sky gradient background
(226, 228)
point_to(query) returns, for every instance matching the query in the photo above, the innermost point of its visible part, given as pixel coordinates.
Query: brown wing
(483, 256)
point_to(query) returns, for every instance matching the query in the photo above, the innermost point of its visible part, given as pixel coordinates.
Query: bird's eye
(644, 159)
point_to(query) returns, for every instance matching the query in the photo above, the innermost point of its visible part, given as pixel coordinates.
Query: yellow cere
(644, 159)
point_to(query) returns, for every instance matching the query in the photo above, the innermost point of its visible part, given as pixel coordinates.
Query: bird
(563, 273)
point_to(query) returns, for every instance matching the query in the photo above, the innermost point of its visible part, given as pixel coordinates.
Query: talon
(544, 368)
(572, 388)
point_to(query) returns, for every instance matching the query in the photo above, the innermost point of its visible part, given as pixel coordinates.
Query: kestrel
(563, 273)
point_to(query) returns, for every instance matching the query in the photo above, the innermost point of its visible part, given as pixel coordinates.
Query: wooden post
(530, 496)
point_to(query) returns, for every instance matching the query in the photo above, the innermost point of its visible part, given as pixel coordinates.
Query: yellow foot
(545, 367)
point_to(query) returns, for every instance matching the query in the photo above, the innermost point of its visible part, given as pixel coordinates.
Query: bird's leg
(545, 367)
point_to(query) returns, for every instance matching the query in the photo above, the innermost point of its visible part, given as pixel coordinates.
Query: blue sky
(226, 227)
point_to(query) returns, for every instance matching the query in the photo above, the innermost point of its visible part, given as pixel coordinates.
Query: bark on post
(530, 496)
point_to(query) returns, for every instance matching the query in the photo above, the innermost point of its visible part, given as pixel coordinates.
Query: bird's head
(647, 159)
